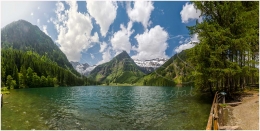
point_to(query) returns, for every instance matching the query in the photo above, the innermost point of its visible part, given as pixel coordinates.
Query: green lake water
(105, 107)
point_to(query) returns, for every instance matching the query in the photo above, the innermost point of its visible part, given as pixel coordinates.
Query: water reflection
(101, 107)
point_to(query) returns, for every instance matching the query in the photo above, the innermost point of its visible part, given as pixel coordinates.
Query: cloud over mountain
(151, 44)
(74, 30)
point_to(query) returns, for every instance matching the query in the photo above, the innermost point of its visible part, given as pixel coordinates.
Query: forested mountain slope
(29, 58)
(121, 69)
(24, 36)
(174, 71)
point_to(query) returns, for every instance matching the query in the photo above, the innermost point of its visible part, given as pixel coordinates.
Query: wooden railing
(2, 100)
(213, 116)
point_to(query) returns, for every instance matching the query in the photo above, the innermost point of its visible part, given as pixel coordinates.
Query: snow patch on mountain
(83, 69)
(155, 63)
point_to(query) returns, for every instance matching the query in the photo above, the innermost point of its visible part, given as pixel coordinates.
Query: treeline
(28, 69)
(158, 81)
(227, 56)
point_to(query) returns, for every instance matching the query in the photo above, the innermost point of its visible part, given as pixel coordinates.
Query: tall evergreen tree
(228, 47)
(29, 77)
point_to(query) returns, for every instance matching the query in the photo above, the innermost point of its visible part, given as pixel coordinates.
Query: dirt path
(246, 115)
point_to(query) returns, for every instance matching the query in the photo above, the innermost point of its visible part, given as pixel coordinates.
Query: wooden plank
(209, 124)
(2, 100)
(234, 103)
(215, 110)
(215, 124)
(215, 116)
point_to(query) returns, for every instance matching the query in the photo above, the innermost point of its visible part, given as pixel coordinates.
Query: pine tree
(9, 81)
(21, 80)
(23, 76)
(44, 82)
(36, 80)
(29, 77)
(15, 76)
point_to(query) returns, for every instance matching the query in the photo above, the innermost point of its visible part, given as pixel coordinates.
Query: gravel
(247, 114)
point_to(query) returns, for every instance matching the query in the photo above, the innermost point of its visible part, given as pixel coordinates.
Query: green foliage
(13, 84)
(22, 79)
(4, 89)
(223, 105)
(44, 82)
(9, 81)
(29, 77)
(228, 47)
(36, 80)
(55, 82)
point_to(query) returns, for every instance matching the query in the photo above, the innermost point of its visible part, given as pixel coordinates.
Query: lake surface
(105, 107)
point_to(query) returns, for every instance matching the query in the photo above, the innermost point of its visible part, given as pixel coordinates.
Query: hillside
(121, 69)
(24, 36)
(174, 71)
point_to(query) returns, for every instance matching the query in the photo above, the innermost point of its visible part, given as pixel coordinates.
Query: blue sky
(94, 32)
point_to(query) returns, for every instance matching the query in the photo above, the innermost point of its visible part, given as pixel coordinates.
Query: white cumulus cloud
(74, 30)
(104, 13)
(140, 12)
(103, 46)
(189, 44)
(60, 7)
(95, 38)
(120, 39)
(184, 47)
(189, 12)
(151, 44)
(106, 56)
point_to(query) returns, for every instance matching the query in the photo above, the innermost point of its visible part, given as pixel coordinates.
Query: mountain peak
(121, 69)
(122, 55)
(23, 21)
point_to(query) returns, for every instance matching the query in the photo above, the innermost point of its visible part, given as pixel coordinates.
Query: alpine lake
(105, 108)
